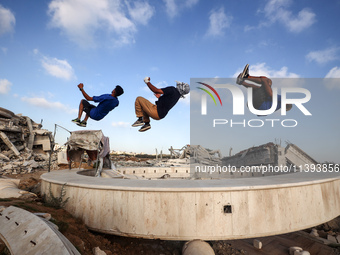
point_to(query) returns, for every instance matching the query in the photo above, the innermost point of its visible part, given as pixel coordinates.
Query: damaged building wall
(270, 154)
(24, 145)
(254, 156)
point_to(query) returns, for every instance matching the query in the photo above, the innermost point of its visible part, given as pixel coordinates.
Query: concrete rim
(72, 178)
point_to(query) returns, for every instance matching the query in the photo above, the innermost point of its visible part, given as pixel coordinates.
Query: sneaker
(138, 123)
(146, 126)
(245, 72)
(82, 124)
(77, 121)
(239, 80)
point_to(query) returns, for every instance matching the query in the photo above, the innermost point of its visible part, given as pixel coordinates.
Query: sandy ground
(85, 241)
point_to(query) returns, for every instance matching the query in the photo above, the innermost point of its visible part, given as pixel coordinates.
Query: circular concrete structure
(183, 209)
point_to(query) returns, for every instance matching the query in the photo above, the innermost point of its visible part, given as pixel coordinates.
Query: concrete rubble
(178, 157)
(197, 154)
(271, 154)
(24, 146)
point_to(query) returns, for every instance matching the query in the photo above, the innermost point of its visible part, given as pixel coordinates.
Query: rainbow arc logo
(209, 93)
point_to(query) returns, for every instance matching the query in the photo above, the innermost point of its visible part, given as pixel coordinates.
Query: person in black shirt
(167, 98)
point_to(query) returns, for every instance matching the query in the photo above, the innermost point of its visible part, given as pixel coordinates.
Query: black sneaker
(245, 72)
(77, 121)
(82, 124)
(138, 123)
(146, 126)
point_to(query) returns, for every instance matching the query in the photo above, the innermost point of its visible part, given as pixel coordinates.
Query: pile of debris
(200, 155)
(24, 146)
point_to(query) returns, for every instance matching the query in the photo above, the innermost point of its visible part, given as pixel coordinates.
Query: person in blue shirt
(107, 102)
(263, 94)
(167, 98)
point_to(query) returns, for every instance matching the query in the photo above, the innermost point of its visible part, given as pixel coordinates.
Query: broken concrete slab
(4, 113)
(4, 157)
(26, 233)
(10, 145)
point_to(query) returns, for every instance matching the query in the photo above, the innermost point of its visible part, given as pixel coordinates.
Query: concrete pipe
(197, 247)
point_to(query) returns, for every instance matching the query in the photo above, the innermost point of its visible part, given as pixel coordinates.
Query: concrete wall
(199, 209)
(271, 154)
(264, 154)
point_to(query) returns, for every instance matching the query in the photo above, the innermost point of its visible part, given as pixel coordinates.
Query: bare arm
(152, 87)
(86, 96)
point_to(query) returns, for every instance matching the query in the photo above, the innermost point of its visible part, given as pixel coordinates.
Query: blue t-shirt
(106, 104)
(266, 105)
(169, 98)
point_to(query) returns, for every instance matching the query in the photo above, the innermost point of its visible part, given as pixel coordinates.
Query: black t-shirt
(169, 98)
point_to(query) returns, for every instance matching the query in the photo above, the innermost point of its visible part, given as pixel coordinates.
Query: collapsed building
(24, 145)
(271, 154)
(197, 154)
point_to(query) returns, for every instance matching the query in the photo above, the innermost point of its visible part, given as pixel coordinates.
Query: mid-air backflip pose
(262, 95)
(167, 98)
(107, 102)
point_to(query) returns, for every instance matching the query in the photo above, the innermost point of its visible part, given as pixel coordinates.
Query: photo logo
(204, 97)
(239, 100)
(281, 100)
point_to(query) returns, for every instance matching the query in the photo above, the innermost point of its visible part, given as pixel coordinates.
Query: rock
(257, 244)
(98, 251)
(314, 232)
(293, 249)
(338, 238)
(331, 238)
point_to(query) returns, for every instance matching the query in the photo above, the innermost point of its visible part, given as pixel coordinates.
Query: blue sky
(48, 47)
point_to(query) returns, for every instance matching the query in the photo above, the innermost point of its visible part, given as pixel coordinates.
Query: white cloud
(173, 7)
(5, 86)
(190, 3)
(58, 68)
(261, 69)
(141, 12)
(7, 21)
(186, 99)
(121, 124)
(333, 83)
(334, 73)
(219, 21)
(82, 20)
(304, 19)
(323, 56)
(278, 11)
(44, 103)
